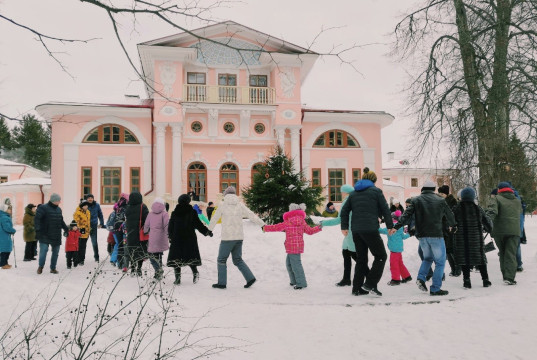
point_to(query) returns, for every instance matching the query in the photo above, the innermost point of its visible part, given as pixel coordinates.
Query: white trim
(381, 118)
(71, 178)
(229, 159)
(112, 162)
(49, 110)
(79, 137)
(308, 144)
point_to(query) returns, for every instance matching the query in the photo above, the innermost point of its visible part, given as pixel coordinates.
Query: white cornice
(50, 110)
(382, 118)
(230, 108)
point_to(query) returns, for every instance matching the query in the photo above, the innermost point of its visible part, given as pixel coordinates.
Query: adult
(184, 250)
(82, 218)
(504, 210)
(468, 241)
(156, 224)
(118, 227)
(96, 218)
(396, 205)
(412, 232)
(135, 215)
(209, 210)
(330, 210)
(349, 249)
(48, 230)
(443, 191)
(232, 211)
(29, 232)
(193, 195)
(367, 204)
(6, 231)
(429, 209)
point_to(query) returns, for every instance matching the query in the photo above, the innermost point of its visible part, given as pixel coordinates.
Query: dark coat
(451, 202)
(132, 224)
(468, 240)
(181, 231)
(209, 211)
(49, 224)
(367, 204)
(96, 214)
(429, 209)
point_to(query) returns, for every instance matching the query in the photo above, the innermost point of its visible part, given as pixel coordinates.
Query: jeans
(420, 253)
(233, 247)
(434, 249)
(295, 270)
(93, 236)
(347, 263)
(43, 249)
(4, 257)
(366, 242)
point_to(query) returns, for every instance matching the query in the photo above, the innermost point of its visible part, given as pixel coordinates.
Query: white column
(280, 135)
(177, 159)
(160, 158)
(295, 147)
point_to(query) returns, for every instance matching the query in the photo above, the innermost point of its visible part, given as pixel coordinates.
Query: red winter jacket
(71, 244)
(294, 226)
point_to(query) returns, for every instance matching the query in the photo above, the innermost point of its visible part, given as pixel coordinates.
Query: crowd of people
(447, 228)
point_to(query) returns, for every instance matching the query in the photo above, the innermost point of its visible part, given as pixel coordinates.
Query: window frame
(354, 179)
(196, 73)
(131, 185)
(82, 177)
(236, 180)
(103, 187)
(412, 182)
(257, 76)
(313, 177)
(336, 187)
(101, 133)
(344, 140)
(197, 187)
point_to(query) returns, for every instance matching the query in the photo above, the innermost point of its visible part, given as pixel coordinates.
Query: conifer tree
(6, 141)
(276, 186)
(34, 139)
(521, 173)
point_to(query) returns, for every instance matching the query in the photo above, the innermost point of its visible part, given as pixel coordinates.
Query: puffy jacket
(429, 209)
(132, 218)
(29, 227)
(6, 230)
(71, 243)
(367, 204)
(348, 242)
(156, 224)
(395, 241)
(82, 218)
(231, 211)
(96, 213)
(49, 224)
(468, 242)
(294, 226)
(504, 210)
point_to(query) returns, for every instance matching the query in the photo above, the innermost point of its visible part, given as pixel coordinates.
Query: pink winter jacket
(294, 226)
(156, 224)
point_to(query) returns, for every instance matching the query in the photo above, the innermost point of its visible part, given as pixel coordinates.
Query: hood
(157, 207)
(3, 213)
(231, 199)
(363, 184)
(135, 198)
(295, 217)
(181, 209)
(197, 208)
(29, 212)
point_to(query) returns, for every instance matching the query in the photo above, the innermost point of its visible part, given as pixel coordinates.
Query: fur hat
(429, 185)
(503, 185)
(230, 190)
(55, 198)
(347, 188)
(159, 200)
(444, 189)
(396, 201)
(184, 199)
(294, 206)
(468, 194)
(369, 175)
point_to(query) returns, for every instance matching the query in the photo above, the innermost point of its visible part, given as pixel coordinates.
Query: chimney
(391, 155)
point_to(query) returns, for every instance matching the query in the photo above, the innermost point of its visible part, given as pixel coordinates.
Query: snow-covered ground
(272, 321)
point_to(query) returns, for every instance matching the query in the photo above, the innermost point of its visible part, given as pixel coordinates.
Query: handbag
(488, 247)
(143, 236)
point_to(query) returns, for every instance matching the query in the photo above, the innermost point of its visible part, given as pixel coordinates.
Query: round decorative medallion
(229, 127)
(289, 114)
(196, 126)
(168, 110)
(259, 128)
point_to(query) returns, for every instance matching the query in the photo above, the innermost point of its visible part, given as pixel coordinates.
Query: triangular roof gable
(233, 30)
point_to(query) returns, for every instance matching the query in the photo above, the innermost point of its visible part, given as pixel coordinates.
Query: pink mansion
(212, 114)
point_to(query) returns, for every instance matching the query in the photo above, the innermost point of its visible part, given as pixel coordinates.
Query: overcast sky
(29, 77)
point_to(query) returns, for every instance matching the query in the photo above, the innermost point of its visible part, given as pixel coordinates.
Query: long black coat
(137, 248)
(468, 240)
(184, 248)
(49, 224)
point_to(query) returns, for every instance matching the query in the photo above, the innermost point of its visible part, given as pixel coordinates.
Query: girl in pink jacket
(294, 226)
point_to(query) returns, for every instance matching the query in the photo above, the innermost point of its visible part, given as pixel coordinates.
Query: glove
(65, 234)
(210, 233)
(103, 226)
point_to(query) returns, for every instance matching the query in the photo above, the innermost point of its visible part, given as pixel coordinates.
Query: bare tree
(476, 80)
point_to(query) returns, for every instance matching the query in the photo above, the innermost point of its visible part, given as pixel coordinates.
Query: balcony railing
(229, 94)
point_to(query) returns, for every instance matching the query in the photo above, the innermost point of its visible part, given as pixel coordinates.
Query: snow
(391, 183)
(28, 181)
(272, 321)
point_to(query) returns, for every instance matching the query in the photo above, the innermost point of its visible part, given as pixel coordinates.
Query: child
(294, 226)
(156, 224)
(71, 245)
(395, 244)
(6, 230)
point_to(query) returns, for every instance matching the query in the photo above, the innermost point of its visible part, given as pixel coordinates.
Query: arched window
(336, 139)
(110, 134)
(197, 179)
(229, 176)
(256, 169)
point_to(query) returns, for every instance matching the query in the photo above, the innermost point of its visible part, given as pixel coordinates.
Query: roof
(391, 183)
(27, 181)
(408, 164)
(9, 163)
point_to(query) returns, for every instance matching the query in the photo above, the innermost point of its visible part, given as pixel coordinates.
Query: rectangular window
(336, 178)
(110, 185)
(356, 175)
(196, 78)
(227, 90)
(196, 90)
(135, 179)
(414, 182)
(3, 179)
(316, 177)
(86, 181)
(258, 80)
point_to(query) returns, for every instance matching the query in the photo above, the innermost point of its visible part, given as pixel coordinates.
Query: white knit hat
(294, 206)
(160, 201)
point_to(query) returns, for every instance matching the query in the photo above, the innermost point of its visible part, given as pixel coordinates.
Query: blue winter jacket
(348, 242)
(395, 241)
(6, 230)
(96, 214)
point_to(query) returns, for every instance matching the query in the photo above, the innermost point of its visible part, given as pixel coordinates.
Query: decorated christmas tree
(276, 185)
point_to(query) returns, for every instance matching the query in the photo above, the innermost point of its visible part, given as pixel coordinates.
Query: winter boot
(196, 277)
(344, 282)
(54, 271)
(371, 289)
(407, 279)
(455, 269)
(360, 292)
(519, 269)
(421, 285)
(439, 293)
(394, 282)
(509, 282)
(249, 283)
(177, 279)
(40, 270)
(486, 283)
(218, 286)
(467, 283)
(298, 287)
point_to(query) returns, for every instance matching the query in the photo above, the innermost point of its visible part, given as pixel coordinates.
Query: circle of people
(446, 229)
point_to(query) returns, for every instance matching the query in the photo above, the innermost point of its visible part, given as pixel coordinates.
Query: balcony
(229, 94)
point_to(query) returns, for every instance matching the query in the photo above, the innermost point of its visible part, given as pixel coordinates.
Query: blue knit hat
(347, 188)
(503, 185)
(494, 192)
(468, 194)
